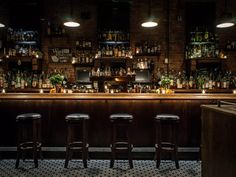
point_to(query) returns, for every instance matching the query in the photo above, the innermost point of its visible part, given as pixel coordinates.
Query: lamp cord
(149, 9)
(71, 8)
(225, 6)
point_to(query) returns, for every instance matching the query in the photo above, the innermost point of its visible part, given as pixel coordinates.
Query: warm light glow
(234, 91)
(203, 91)
(149, 24)
(41, 91)
(71, 24)
(2, 25)
(3, 91)
(225, 25)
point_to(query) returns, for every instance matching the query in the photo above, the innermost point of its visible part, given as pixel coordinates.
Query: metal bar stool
(28, 136)
(121, 140)
(170, 122)
(77, 120)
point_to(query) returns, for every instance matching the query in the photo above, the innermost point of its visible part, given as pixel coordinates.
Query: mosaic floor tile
(99, 168)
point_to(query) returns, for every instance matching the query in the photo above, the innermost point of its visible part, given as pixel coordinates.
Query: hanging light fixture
(2, 25)
(226, 20)
(71, 21)
(150, 22)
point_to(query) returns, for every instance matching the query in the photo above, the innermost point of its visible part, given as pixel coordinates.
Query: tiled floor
(99, 168)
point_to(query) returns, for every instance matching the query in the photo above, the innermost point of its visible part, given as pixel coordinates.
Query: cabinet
(113, 62)
(202, 51)
(84, 53)
(22, 50)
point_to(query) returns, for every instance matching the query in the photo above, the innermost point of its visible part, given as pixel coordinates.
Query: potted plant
(57, 81)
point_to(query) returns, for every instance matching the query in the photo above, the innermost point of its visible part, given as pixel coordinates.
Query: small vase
(58, 88)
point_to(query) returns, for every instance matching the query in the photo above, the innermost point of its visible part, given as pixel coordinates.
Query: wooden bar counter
(218, 141)
(143, 106)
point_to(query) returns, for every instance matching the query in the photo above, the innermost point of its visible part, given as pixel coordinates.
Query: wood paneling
(54, 108)
(218, 141)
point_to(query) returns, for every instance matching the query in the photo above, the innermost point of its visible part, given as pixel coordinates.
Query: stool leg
(35, 144)
(176, 147)
(129, 149)
(113, 146)
(130, 157)
(84, 157)
(67, 157)
(40, 139)
(176, 157)
(158, 144)
(67, 147)
(84, 148)
(18, 156)
(18, 147)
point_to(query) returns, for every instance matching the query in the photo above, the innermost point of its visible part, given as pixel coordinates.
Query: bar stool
(28, 136)
(169, 143)
(121, 136)
(79, 121)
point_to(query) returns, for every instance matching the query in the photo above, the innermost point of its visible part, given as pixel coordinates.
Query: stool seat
(167, 117)
(77, 116)
(123, 116)
(28, 116)
(77, 125)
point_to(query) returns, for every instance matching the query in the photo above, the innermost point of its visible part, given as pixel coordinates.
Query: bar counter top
(143, 106)
(119, 96)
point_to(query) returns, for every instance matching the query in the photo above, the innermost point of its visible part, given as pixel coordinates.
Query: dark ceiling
(24, 13)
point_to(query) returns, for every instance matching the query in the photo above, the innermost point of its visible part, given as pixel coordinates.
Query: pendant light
(149, 23)
(2, 25)
(226, 20)
(71, 21)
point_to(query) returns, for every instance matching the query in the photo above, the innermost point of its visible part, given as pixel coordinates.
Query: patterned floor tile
(99, 168)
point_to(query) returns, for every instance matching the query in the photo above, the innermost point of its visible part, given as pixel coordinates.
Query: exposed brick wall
(138, 11)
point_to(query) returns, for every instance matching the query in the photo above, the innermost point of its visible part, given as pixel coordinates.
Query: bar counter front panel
(144, 107)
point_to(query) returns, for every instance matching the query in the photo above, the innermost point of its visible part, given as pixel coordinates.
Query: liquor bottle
(18, 80)
(22, 81)
(34, 81)
(206, 36)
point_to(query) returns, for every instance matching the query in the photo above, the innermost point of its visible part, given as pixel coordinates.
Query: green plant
(56, 79)
(200, 81)
(165, 81)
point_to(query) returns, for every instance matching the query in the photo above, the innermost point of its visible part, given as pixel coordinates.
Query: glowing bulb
(225, 25)
(71, 24)
(2, 25)
(149, 24)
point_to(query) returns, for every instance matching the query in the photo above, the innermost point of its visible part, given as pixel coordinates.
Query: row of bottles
(17, 79)
(230, 45)
(147, 47)
(83, 57)
(203, 51)
(143, 63)
(21, 35)
(21, 50)
(83, 44)
(114, 51)
(200, 35)
(199, 80)
(108, 71)
(113, 35)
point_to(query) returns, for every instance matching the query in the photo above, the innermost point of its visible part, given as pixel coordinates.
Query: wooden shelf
(207, 60)
(113, 59)
(113, 78)
(114, 42)
(148, 54)
(21, 58)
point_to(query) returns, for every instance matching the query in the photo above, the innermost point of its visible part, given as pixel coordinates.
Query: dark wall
(173, 18)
